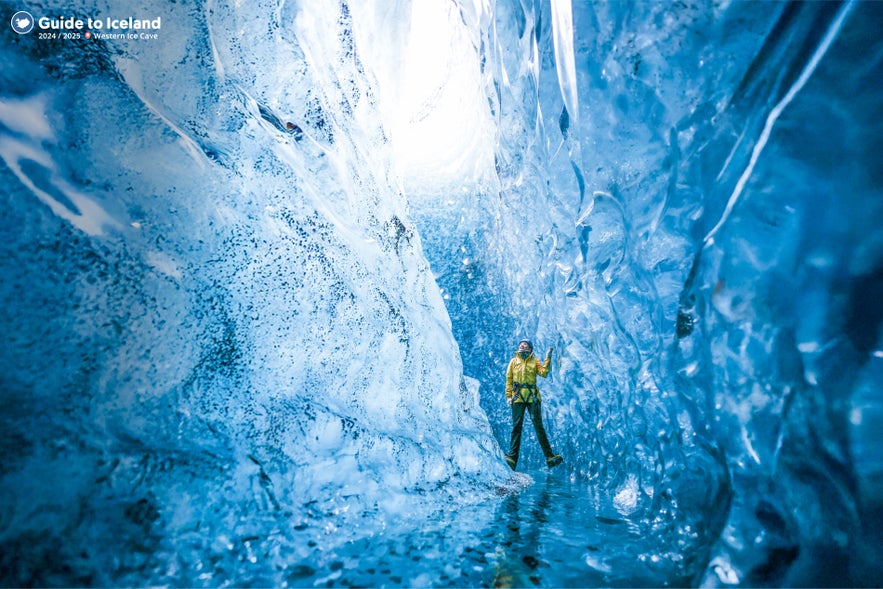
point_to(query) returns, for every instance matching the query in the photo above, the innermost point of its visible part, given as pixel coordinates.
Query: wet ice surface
(557, 532)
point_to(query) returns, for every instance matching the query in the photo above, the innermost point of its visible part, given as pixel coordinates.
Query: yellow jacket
(524, 372)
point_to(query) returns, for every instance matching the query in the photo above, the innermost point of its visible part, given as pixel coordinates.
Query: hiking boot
(510, 461)
(554, 460)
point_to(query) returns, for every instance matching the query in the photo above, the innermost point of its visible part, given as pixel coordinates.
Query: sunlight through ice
(437, 115)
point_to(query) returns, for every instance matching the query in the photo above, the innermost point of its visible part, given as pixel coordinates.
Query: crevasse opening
(262, 275)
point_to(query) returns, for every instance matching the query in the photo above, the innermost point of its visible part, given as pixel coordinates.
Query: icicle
(562, 34)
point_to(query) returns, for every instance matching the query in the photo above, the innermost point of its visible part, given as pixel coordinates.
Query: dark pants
(536, 416)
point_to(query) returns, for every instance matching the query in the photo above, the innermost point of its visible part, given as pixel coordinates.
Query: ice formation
(261, 277)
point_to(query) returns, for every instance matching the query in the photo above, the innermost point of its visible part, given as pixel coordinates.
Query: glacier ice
(261, 280)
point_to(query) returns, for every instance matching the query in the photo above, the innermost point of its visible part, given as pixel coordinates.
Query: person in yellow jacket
(522, 394)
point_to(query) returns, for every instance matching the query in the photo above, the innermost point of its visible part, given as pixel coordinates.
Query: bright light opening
(437, 116)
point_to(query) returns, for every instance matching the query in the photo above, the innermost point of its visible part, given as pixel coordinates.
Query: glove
(549, 354)
(510, 400)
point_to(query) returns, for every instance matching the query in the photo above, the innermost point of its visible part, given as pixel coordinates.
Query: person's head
(524, 348)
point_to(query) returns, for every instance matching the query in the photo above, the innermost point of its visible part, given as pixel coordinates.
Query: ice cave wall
(688, 212)
(217, 310)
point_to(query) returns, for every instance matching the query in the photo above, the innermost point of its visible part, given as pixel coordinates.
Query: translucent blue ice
(261, 278)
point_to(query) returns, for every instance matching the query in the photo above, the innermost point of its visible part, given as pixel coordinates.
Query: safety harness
(532, 388)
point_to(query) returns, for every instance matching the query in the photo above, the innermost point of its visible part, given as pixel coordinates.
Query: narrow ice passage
(261, 277)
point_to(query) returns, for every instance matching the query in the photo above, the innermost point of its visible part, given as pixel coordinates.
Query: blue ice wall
(688, 214)
(244, 338)
(219, 319)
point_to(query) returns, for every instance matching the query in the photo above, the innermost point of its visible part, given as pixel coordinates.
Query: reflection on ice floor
(555, 533)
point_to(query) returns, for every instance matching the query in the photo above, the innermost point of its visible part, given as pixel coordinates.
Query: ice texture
(261, 279)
